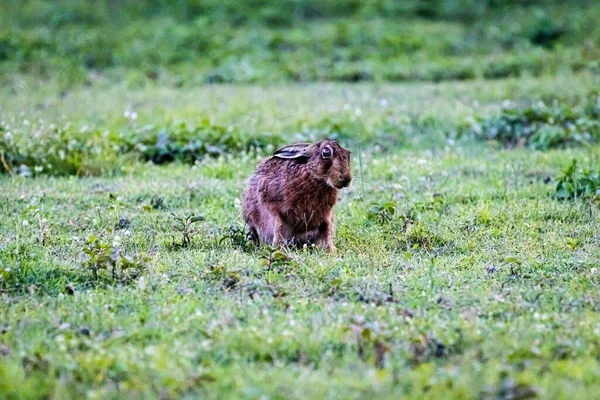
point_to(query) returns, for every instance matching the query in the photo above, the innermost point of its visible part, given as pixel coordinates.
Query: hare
(290, 198)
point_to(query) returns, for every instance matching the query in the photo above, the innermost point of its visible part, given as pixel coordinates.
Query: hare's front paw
(330, 247)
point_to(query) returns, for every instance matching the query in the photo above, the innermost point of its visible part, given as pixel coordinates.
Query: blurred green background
(191, 42)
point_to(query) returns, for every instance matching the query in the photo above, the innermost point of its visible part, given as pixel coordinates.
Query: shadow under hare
(290, 198)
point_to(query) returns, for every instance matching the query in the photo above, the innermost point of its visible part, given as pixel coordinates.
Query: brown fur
(290, 198)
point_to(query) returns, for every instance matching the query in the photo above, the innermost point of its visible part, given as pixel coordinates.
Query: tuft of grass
(184, 225)
(105, 256)
(577, 182)
(543, 125)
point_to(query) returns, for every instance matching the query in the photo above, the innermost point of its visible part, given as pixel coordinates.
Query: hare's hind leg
(278, 233)
(280, 237)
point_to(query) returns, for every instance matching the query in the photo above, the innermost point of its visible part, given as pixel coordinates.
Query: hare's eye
(327, 152)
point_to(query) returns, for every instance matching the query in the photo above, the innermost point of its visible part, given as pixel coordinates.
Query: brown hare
(290, 198)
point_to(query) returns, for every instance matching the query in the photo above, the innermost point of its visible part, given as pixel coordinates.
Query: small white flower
(357, 111)
(116, 240)
(421, 161)
(131, 115)
(25, 222)
(237, 203)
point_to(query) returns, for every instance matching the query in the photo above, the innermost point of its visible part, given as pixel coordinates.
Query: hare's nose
(346, 181)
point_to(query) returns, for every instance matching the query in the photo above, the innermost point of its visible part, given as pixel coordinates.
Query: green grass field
(458, 274)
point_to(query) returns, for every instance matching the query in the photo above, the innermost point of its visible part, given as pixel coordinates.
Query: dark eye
(327, 152)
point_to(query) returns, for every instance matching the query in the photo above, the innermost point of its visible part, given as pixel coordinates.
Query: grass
(458, 274)
(189, 43)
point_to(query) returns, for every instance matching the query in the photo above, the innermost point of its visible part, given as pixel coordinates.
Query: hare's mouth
(331, 184)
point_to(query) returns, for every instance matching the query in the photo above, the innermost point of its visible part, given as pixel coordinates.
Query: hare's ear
(298, 150)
